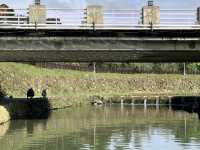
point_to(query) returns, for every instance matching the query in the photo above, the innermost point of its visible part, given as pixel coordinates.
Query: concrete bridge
(38, 34)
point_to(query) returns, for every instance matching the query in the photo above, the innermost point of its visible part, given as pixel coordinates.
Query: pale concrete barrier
(151, 14)
(4, 115)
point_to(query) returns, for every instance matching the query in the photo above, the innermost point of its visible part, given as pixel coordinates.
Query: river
(110, 128)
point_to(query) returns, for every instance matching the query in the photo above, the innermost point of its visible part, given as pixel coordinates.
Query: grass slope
(75, 87)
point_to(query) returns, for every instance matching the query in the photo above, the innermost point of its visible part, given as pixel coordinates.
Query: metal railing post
(18, 20)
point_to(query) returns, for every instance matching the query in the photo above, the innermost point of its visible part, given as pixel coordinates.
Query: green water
(111, 128)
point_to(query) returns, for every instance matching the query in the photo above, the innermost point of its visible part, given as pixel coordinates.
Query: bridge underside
(98, 56)
(99, 46)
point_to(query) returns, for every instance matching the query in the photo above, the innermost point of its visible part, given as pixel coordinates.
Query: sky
(109, 4)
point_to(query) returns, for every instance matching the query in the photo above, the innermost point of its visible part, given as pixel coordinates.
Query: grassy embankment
(75, 87)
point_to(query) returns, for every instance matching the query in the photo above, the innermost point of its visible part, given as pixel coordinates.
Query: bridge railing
(178, 17)
(13, 16)
(126, 19)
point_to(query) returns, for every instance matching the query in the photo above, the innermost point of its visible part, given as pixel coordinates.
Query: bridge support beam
(151, 14)
(98, 56)
(98, 49)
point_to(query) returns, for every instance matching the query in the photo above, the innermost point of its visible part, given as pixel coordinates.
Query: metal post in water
(145, 102)
(122, 101)
(145, 105)
(170, 103)
(122, 105)
(133, 101)
(133, 104)
(157, 102)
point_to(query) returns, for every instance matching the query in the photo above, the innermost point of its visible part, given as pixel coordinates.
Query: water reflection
(3, 129)
(99, 128)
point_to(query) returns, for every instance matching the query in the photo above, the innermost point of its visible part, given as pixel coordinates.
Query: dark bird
(44, 93)
(30, 93)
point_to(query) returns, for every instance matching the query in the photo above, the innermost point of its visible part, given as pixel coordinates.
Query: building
(5, 8)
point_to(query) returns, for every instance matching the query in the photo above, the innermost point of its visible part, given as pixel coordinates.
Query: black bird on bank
(30, 93)
(44, 93)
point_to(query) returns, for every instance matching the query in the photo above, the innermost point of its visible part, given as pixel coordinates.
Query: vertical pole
(184, 69)
(157, 103)
(18, 20)
(198, 15)
(94, 74)
(133, 101)
(56, 18)
(170, 103)
(185, 119)
(122, 101)
(94, 67)
(145, 103)
(95, 136)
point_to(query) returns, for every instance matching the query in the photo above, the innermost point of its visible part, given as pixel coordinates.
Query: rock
(98, 102)
(4, 115)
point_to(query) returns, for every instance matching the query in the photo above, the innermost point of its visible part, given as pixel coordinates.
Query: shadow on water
(29, 125)
(190, 104)
(21, 108)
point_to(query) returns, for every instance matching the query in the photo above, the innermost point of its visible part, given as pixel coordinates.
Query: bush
(2, 92)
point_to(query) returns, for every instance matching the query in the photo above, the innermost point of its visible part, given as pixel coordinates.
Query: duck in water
(30, 93)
